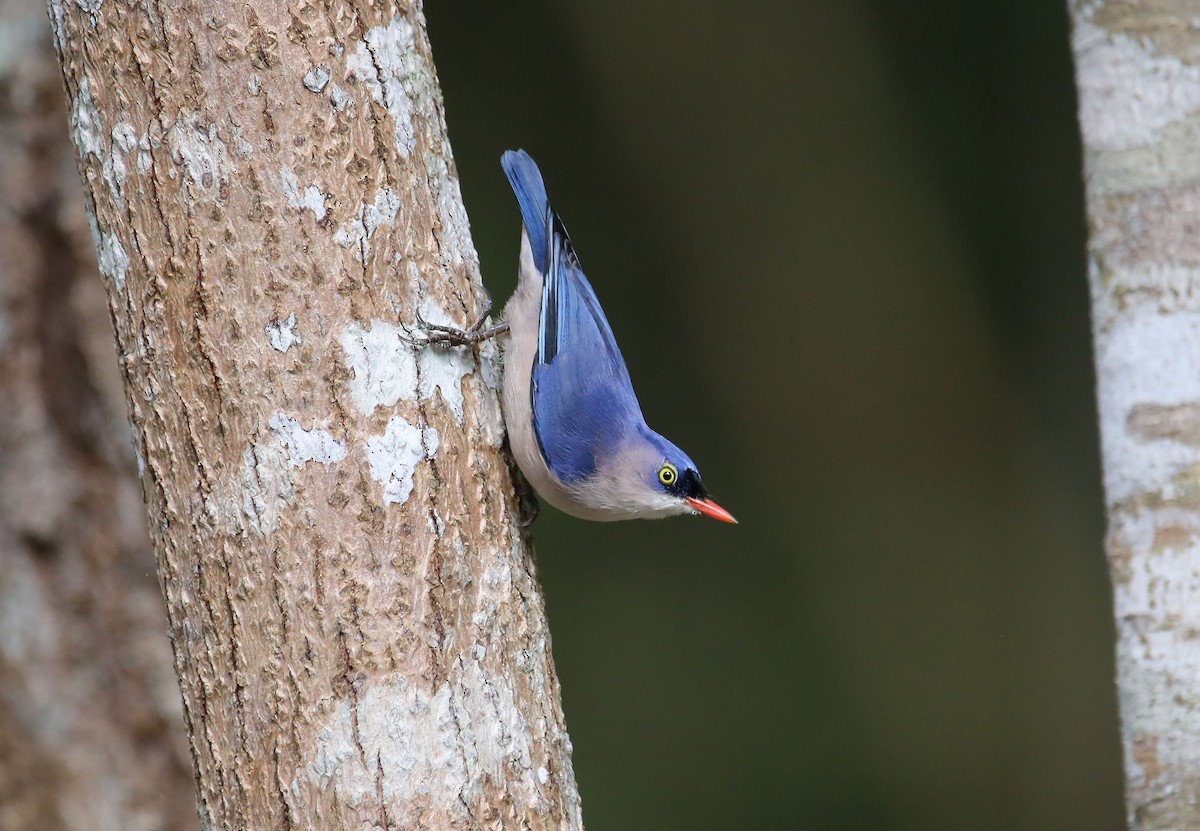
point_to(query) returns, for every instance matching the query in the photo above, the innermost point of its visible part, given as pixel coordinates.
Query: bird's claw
(527, 501)
(441, 335)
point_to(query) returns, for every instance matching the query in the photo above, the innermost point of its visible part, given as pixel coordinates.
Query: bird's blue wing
(583, 401)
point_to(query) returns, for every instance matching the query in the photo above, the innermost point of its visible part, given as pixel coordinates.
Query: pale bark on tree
(90, 732)
(358, 630)
(1138, 74)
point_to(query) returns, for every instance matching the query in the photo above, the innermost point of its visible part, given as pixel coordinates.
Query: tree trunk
(89, 709)
(358, 630)
(1139, 92)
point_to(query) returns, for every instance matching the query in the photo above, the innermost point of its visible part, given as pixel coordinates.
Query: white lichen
(144, 161)
(411, 734)
(85, 122)
(1154, 604)
(90, 7)
(114, 172)
(1129, 91)
(443, 747)
(58, 30)
(243, 148)
(357, 232)
(305, 446)
(310, 198)
(282, 333)
(198, 149)
(388, 366)
(383, 210)
(339, 98)
(393, 457)
(1145, 357)
(113, 169)
(113, 260)
(455, 235)
(386, 61)
(93, 142)
(436, 524)
(125, 137)
(265, 489)
(135, 441)
(442, 369)
(383, 362)
(316, 78)
(125, 142)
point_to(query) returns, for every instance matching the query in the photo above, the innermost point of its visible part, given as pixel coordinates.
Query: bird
(575, 426)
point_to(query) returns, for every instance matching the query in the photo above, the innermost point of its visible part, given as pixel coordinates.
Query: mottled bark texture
(90, 732)
(1138, 71)
(358, 631)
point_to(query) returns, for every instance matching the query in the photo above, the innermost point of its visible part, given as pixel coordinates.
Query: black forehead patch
(689, 484)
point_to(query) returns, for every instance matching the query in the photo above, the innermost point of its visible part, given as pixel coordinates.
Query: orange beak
(712, 509)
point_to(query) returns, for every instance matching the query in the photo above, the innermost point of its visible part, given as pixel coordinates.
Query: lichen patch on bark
(1129, 352)
(388, 365)
(1130, 90)
(383, 61)
(305, 446)
(197, 147)
(310, 197)
(393, 457)
(356, 232)
(282, 333)
(383, 364)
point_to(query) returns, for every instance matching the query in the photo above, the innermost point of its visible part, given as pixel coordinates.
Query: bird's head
(675, 476)
(650, 477)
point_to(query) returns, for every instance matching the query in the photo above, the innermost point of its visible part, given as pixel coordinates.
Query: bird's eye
(668, 474)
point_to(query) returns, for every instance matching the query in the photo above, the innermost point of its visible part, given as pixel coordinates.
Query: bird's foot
(476, 333)
(527, 502)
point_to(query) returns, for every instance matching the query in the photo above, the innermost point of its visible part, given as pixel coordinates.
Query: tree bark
(89, 708)
(1138, 72)
(358, 631)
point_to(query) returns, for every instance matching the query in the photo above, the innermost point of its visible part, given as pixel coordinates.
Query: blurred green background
(842, 246)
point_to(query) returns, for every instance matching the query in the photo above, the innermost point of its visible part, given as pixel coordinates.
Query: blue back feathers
(583, 401)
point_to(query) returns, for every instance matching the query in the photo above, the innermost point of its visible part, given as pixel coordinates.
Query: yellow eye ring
(668, 474)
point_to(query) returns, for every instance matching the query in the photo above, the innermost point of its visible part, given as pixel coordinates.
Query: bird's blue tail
(527, 184)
